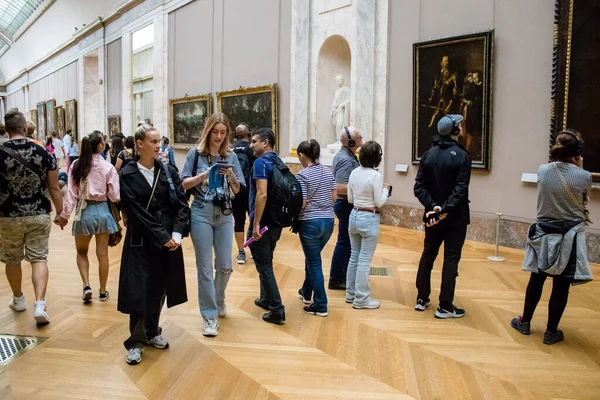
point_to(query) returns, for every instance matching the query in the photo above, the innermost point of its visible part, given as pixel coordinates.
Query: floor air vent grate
(12, 346)
(380, 271)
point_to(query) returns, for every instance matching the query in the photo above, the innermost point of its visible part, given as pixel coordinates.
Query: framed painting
(33, 117)
(254, 106)
(114, 124)
(51, 116)
(575, 83)
(71, 118)
(454, 76)
(187, 116)
(60, 121)
(41, 125)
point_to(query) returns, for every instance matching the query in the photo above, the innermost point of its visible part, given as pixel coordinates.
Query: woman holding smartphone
(211, 221)
(152, 266)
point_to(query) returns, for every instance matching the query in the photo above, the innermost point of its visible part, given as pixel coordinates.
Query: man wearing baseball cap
(442, 187)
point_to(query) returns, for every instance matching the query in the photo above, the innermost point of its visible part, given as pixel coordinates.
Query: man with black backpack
(275, 203)
(239, 204)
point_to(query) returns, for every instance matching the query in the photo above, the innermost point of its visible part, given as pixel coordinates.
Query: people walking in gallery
(211, 220)
(73, 152)
(315, 224)
(246, 158)
(59, 149)
(116, 147)
(92, 182)
(127, 154)
(152, 267)
(263, 247)
(67, 146)
(367, 193)
(442, 187)
(166, 153)
(50, 146)
(29, 180)
(556, 243)
(344, 163)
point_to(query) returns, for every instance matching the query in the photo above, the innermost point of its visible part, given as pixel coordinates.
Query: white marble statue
(340, 109)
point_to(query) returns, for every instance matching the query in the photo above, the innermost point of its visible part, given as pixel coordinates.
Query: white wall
(521, 94)
(50, 31)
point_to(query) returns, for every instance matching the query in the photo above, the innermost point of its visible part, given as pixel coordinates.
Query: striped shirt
(317, 184)
(555, 203)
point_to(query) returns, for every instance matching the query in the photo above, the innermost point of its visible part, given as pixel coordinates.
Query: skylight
(13, 15)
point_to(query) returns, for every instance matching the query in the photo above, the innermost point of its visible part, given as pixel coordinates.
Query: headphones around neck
(579, 140)
(351, 142)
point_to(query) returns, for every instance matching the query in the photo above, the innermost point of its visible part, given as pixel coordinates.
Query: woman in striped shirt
(315, 224)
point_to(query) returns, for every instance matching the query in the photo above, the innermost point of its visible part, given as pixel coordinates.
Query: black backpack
(284, 195)
(241, 151)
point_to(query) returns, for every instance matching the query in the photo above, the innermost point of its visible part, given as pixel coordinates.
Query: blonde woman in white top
(367, 193)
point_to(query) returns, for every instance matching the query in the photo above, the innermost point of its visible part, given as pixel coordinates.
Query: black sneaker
(278, 319)
(304, 299)
(104, 296)
(337, 286)
(262, 303)
(455, 313)
(523, 327)
(551, 338)
(422, 304)
(310, 310)
(87, 294)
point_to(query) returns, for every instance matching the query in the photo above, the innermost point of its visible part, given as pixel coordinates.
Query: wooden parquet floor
(390, 353)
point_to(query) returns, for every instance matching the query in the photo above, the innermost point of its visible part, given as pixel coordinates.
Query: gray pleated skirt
(96, 218)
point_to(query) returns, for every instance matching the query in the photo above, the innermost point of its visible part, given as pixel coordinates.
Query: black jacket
(443, 180)
(147, 267)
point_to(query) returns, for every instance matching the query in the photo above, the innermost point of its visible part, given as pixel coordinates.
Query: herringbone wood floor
(393, 352)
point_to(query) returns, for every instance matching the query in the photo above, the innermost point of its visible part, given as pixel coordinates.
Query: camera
(222, 197)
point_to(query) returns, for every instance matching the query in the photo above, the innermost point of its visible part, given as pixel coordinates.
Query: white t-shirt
(67, 142)
(58, 145)
(365, 188)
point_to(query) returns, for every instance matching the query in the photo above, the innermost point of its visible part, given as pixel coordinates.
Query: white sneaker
(40, 315)
(134, 356)
(370, 305)
(222, 309)
(159, 342)
(422, 304)
(211, 326)
(18, 303)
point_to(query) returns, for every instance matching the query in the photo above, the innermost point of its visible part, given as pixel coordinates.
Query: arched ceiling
(13, 15)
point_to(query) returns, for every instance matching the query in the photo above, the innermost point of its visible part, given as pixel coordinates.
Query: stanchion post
(497, 257)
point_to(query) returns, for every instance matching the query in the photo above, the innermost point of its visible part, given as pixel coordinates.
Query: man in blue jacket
(442, 187)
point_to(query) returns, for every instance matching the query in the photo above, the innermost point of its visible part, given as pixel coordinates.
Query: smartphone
(390, 191)
(432, 217)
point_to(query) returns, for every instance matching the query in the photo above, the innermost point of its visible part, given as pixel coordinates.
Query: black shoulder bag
(27, 164)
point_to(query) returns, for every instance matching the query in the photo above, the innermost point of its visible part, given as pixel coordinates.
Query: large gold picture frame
(51, 116)
(41, 126)
(60, 121)
(255, 106)
(186, 119)
(33, 117)
(71, 118)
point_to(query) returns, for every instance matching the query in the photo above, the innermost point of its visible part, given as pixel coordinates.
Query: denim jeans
(211, 229)
(262, 252)
(453, 239)
(364, 232)
(341, 254)
(314, 235)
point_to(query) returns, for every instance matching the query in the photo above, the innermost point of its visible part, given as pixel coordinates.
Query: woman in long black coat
(152, 266)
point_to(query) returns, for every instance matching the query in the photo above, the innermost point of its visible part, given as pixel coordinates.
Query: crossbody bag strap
(570, 193)
(314, 193)
(27, 164)
(153, 190)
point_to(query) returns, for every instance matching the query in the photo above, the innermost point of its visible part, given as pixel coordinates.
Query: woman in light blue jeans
(315, 224)
(211, 221)
(367, 193)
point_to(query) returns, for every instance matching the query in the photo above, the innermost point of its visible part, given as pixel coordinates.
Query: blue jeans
(364, 232)
(211, 229)
(341, 254)
(314, 235)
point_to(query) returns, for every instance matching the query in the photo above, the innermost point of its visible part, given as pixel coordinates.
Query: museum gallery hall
(299, 199)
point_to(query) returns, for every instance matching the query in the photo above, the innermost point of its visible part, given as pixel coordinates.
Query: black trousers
(558, 298)
(262, 251)
(144, 327)
(453, 238)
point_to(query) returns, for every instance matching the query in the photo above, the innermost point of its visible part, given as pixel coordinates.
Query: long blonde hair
(209, 124)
